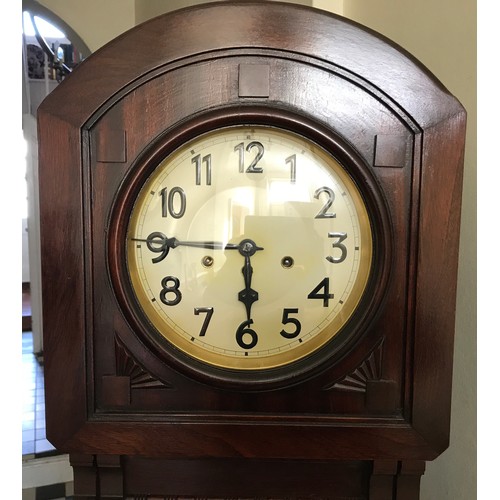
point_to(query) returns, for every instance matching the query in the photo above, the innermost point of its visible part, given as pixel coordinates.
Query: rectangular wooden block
(253, 80)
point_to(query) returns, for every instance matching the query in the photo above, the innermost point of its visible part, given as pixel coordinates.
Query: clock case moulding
(385, 392)
(249, 380)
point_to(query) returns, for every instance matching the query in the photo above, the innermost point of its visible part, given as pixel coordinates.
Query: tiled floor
(35, 447)
(35, 444)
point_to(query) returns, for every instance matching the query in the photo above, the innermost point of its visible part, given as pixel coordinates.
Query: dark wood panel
(436, 282)
(247, 479)
(249, 436)
(63, 277)
(144, 478)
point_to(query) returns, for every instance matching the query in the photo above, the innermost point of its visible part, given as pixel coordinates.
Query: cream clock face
(249, 248)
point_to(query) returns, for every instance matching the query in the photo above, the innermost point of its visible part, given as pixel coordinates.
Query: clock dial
(249, 248)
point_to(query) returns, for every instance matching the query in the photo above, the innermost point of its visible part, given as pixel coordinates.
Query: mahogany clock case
(256, 380)
(381, 391)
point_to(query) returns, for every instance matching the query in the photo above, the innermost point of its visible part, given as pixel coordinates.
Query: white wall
(147, 9)
(335, 6)
(25, 271)
(33, 251)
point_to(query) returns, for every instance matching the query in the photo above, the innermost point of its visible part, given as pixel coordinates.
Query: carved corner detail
(380, 396)
(126, 366)
(369, 370)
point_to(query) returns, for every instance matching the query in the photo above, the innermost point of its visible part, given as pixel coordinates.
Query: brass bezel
(252, 363)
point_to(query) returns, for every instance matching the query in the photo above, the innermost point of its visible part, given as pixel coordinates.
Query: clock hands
(158, 242)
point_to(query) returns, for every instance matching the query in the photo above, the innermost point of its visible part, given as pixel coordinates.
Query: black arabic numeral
(170, 289)
(207, 160)
(156, 244)
(324, 213)
(294, 321)
(243, 331)
(252, 168)
(168, 202)
(338, 244)
(325, 296)
(209, 312)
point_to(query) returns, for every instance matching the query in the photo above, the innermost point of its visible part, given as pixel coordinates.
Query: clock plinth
(251, 288)
(230, 478)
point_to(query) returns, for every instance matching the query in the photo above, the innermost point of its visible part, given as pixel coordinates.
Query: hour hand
(248, 296)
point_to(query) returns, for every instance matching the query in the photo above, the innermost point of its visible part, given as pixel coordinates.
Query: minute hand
(163, 242)
(159, 243)
(210, 245)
